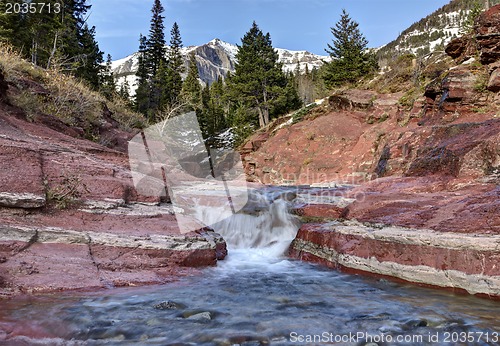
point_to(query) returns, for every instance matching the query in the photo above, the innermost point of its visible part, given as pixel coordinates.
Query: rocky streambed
(254, 298)
(256, 295)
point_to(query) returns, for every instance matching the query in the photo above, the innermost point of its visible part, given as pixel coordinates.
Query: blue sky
(293, 24)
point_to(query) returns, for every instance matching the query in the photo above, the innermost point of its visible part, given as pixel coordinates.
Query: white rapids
(264, 228)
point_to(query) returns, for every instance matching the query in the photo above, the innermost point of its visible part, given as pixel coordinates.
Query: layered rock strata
(460, 262)
(71, 218)
(102, 244)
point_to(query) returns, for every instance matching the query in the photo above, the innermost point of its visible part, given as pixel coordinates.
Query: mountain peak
(215, 59)
(215, 41)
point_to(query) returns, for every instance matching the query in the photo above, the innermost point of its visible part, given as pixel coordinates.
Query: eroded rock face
(454, 93)
(358, 145)
(21, 178)
(442, 203)
(458, 88)
(133, 250)
(461, 48)
(488, 35)
(353, 99)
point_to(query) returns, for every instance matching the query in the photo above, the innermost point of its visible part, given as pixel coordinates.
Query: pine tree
(107, 84)
(142, 94)
(78, 50)
(175, 64)
(156, 41)
(39, 36)
(203, 115)
(350, 61)
(288, 99)
(217, 114)
(258, 80)
(7, 21)
(191, 88)
(59, 37)
(160, 89)
(211, 116)
(475, 11)
(124, 91)
(88, 65)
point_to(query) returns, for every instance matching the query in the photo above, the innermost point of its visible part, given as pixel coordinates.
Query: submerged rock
(169, 305)
(412, 324)
(202, 316)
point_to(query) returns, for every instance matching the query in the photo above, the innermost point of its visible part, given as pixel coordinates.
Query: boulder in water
(169, 305)
(202, 316)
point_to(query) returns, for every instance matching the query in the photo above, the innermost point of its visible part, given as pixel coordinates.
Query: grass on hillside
(42, 91)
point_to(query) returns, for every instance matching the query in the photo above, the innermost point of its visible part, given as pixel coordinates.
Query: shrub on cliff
(39, 91)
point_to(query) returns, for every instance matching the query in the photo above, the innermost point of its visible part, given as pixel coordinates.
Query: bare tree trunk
(265, 108)
(34, 49)
(266, 115)
(486, 4)
(261, 117)
(53, 52)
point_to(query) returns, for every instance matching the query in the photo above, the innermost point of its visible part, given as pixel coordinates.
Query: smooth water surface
(252, 300)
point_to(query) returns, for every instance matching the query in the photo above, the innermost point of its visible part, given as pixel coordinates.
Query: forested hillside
(53, 72)
(53, 34)
(251, 84)
(434, 31)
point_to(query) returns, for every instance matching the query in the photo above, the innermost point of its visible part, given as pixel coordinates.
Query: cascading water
(264, 226)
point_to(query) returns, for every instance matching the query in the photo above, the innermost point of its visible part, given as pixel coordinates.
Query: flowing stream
(258, 297)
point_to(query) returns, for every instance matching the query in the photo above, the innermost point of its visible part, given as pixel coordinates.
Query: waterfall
(264, 224)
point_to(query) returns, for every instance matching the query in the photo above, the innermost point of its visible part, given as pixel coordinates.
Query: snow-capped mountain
(215, 59)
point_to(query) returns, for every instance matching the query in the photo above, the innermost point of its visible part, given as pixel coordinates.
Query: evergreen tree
(160, 89)
(88, 66)
(107, 84)
(350, 61)
(6, 22)
(175, 64)
(288, 99)
(142, 94)
(156, 41)
(78, 50)
(203, 115)
(305, 86)
(258, 81)
(475, 11)
(212, 115)
(124, 91)
(191, 88)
